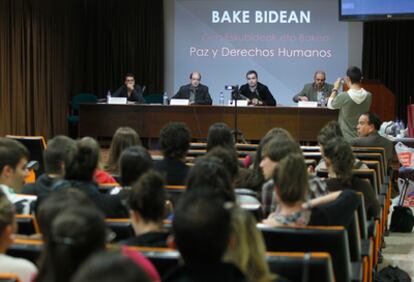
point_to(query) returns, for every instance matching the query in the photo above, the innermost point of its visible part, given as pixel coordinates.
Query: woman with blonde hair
(247, 249)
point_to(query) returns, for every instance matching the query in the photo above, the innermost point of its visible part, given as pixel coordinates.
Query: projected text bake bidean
(260, 17)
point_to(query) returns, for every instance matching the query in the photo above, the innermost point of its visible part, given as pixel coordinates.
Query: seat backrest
(362, 216)
(333, 240)
(368, 156)
(164, 259)
(122, 228)
(369, 174)
(292, 266)
(375, 165)
(27, 224)
(153, 99)
(82, 98)
(354, 238)
(27, 249)
(7, 277)
(36, 146)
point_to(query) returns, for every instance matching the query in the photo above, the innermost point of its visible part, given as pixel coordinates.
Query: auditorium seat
(35, 145)
(73, 117)
(26, 248)
(122, 228)
(297, 266)
(27, 224)
(7, 277)
(333, 240)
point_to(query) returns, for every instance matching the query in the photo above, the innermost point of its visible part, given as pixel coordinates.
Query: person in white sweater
(8, 264)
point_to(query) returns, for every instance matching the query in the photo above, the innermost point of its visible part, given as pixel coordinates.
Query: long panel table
(103, 119)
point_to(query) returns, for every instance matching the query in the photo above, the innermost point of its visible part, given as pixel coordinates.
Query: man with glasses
(130, 90)
(257, 94)
(318, 91)
(195, 92)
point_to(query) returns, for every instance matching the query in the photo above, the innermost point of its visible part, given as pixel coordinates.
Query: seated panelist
(316, 90)
(195, 92)
(130, 90)
(257, 94)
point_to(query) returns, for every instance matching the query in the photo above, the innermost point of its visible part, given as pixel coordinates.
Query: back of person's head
(338, 154)
(57, 202)
(134, 161)
(85, 160)
(123, 138)
(75, 234)
(11, 153)
(228, 157)
(354, 74)
(248, 250)
(201, 228)
(109, 267)
(291, 179)
(147, 197)
(330, 131)
(219, 134)
(209, 176)
(59, 151)
(7, 212)
(374, 120)
(277, 148)
(175, 140)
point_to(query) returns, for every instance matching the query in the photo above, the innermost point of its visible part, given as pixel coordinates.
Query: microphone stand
(237, 133)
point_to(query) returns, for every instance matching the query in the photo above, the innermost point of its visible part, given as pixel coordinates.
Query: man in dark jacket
(196, 92)
(257, 94)
(130, 90)
(201, 231)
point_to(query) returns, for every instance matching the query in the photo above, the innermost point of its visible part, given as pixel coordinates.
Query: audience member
(329, 132)
(210, 177)
(80, 172)
(351, 104)
(109, 267)
(219, 134)
(339, 159)
(272, 152)
(123, 138)
(13, 172)
(21, 267)
(57, 202)
(201, 232)
(134, 162)
(256, 179)
(368, 126)
(146, 203)
(291, 185)
(248, 251)
(75, 234)
(59, 150)
(175, 142)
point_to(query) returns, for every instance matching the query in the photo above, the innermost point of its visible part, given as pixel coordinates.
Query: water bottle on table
(108, 97)
(165, 99)
(221, 99)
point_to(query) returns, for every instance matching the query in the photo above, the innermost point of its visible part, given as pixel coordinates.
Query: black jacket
(150, 239)
(174, 171)
(218, 272)
(264, 94)
(136, 95)
(202, 96)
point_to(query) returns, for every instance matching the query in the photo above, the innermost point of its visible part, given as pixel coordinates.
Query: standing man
(196, 92)
(351, 104)
(316, 90)
(257, 94)
(130, 90)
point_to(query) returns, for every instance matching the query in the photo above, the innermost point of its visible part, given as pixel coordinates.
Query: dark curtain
(51, 50)
(388, 55)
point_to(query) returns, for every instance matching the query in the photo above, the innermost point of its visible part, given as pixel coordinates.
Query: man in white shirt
(21, 267)
(13, 171)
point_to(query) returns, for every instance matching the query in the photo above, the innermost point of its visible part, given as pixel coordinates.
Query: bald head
(195, 78)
